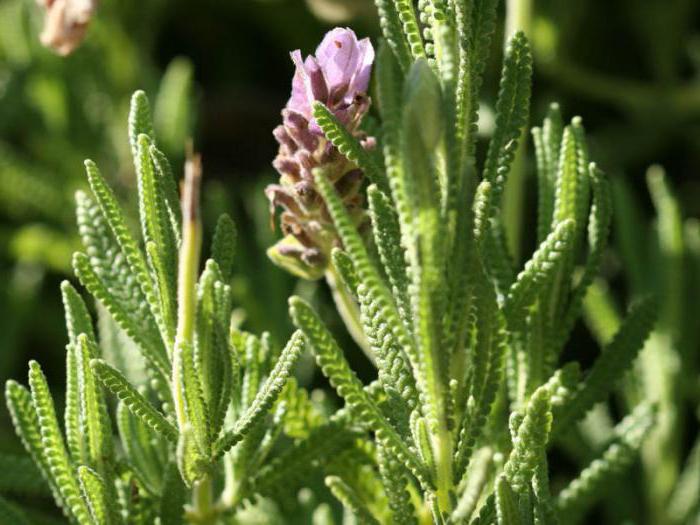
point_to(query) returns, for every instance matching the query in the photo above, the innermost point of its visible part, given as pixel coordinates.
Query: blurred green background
(219, 71)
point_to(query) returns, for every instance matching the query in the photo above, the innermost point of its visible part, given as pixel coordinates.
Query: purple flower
(338, 76)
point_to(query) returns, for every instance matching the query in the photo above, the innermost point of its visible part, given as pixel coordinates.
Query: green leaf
(54, 450)
(471, 224)
(529, 445)
(147, 455)
(486, 370)
(570, 183)
(164, 174)
(347, 144)
(543, 503)
(538, 272)
(78, 320)
(547, 147)
(395, 482)
(480, 470)
(94, 493)
(26, 423)
(140, 121)
(598, 232)
(138, 405)
(265, 397)
(630, 226)
(610, 365)
(389, 90)
(387, 237)
(394, 369)
(172, 114)
(223, 246)
(292, 467)
(343, 263)
(376, 288)
(506, 503)
(350, 500)
(411, 28)
(334, 366)
(156, 229)
(135, 259)
(94, 417)
(512, 110)
(392, 30)
(195, 404)
(109, 263)
(583, 491)
(483, 25)
(71, 417)
(98, 288)
(212, 351)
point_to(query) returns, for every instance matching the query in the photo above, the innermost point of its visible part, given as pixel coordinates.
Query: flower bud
(423, 104)
(337, 75)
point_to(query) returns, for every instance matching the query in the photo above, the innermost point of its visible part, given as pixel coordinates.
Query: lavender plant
(208, 386)
(471, 391)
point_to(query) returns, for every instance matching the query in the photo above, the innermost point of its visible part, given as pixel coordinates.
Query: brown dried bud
(65, 23)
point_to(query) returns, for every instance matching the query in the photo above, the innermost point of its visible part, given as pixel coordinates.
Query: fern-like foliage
(178, 427)
(471, 394)
(466, 345)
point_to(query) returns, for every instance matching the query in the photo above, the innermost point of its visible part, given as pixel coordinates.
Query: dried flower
(65, 23)
(338, 75)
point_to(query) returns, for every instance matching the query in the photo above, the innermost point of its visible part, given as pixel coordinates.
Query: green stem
(518, 18)
(442, 444)
(203, 511)
(348, 310)
(188, 266)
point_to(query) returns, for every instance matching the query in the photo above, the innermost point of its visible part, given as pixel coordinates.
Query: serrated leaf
(577, 497)
(98, 288)
(532, 437)
(95, 422)
(330, 358)
(164, 173)
(411, 28)
(512, 110)
(610, 365)
(59, 464)
(265, 397)
(109, 263)
(351, 500)
(94, 493)
(223, 247)
(387, 237)
(347, 144)
(140, 120)
(135, 259)
(26, 423)
(146, 455)
(78, 320)
(538, 271)
(506, 503)
(392, 30)
(138, 405)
